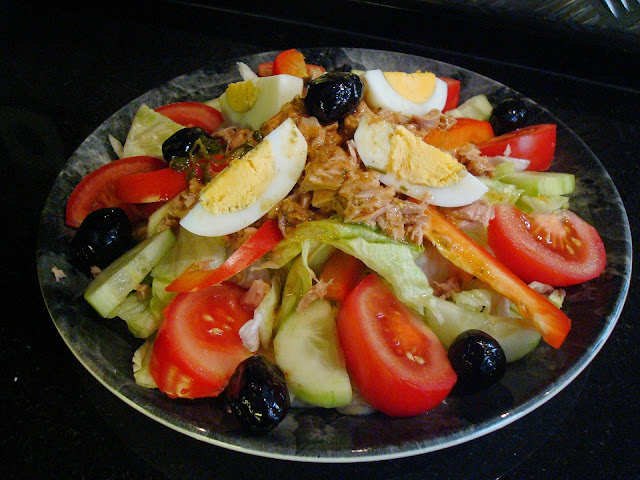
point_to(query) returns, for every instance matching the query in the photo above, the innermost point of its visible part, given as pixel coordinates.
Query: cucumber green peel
(114, 283)
(308, 351)
(542, 183)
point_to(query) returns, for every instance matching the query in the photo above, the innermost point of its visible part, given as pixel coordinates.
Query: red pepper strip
(468, 255)
(263, 240)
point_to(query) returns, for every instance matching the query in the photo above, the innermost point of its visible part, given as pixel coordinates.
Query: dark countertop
(64, 70)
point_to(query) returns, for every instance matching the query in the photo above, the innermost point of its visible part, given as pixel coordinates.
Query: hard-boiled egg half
(252, 102)
(251, 185)
(407, 93)
(414, 167)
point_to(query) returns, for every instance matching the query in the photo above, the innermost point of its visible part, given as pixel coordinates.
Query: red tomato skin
(189, 359)
(150, 187)
(290, 62)
(530, 260)
(536, 143)
(265, 69)
(345, 272)
(193, 114)
(97, 190)
(388, 381)
(453, 93)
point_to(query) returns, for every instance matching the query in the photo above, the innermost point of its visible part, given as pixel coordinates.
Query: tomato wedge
(263, 240)
(465, 130)
(149, 187)
(97, 189)
(290, 62)
(558, 249)
(344, 271)
(469, 256)
(397, 363)
(193, 114)
(198, 345)
(536, 143)
(453, 93)
(266, 69)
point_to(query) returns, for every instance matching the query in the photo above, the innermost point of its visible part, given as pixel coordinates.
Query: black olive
(333, 96)
(181, 143)
(257, 394)
(103, 236)
(478, 360)
(508, 115)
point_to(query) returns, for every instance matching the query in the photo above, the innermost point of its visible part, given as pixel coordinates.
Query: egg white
(379, 93)
(467, 190)
(289, 149)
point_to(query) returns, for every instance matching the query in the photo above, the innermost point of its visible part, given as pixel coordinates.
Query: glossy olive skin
(181, 143)
(103, 236)
(508, 115)
(333, 96)
(478, 360)
(257, 395)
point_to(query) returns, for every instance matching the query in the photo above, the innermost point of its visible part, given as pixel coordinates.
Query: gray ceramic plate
(105, 347)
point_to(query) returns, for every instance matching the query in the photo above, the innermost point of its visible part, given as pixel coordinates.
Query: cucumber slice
(115, 282)
(516, 336)
(542, 183)
(542, 203)
(308, 351)
(477, 107)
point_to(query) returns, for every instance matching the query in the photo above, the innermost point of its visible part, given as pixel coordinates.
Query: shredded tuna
(316, 292)
(143, 291)
(234, 136)
(295, 109)
(58, 274)
(472, 216)
(180, 205)
(257, 291)
(476, 163)
(327, 169)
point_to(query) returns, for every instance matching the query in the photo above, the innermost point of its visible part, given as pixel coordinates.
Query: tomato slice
(265, 69)
(558, 249)
(536, 143)
(453, 93)
(290, 62)
(97, 189)
(149, 187)
(198, 345)
(193, 114)
(263, 240)
(470, 257)
(344, 271)
(397, 363)
(465, 130)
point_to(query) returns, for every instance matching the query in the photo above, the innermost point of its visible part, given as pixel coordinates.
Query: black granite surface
(66, 69)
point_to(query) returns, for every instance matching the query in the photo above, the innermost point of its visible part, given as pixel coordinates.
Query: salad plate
(105, 347)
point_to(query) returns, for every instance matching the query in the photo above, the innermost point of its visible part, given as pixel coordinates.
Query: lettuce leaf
(391, 259)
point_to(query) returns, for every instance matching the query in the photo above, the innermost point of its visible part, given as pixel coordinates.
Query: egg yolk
(416, 87)
(242, 183)
(242, 96)
(413, 160)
